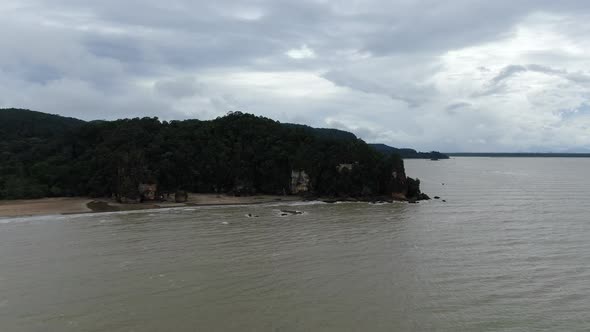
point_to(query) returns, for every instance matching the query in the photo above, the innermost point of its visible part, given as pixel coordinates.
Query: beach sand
(44, 206)
(76, 205)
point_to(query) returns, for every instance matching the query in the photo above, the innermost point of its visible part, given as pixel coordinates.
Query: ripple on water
(506, 252)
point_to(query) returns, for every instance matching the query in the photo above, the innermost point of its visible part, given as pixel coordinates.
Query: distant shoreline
(517, 155)
(81, 205)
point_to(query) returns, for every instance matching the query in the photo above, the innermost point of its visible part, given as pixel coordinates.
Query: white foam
(293, 203)
(10, 220)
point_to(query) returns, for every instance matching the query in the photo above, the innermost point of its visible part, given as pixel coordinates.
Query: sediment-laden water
(508, 251)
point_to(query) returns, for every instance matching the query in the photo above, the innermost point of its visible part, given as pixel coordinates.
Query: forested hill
(47, 155)
(409, 153)
(19, 123)
(323, 132)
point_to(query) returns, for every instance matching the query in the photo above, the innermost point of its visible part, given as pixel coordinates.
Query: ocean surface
(509, 250)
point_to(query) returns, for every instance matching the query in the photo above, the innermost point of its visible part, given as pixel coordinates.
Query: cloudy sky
(457, 75)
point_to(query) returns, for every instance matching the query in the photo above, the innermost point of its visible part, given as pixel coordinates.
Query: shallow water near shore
(508, 251)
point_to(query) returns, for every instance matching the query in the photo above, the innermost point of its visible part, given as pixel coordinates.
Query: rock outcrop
(147, 191)
(342, 167)
(405, 188)
(300, 182)
(399, 182)
(399, 187)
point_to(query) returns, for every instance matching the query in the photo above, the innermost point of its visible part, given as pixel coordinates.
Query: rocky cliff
(404, 187)
(399, 186)
(300, 182)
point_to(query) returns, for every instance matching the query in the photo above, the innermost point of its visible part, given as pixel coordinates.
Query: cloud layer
(460, 75)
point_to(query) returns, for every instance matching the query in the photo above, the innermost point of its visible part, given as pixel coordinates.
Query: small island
(161, 163)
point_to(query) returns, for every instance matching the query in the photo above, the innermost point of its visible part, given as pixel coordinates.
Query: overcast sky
(457, 75)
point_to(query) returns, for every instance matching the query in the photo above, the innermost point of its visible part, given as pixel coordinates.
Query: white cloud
(301, 53)
(455, 75)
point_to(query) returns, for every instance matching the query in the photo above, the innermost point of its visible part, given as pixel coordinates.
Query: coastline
(80, 205)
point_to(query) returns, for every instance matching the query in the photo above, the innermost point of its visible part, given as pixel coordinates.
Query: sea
(505, 248)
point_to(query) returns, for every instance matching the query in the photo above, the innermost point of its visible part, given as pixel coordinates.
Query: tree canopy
(409, 153)
(45, 155)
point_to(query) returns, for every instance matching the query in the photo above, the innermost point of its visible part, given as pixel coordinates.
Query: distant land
(406, 153)
(518, 154)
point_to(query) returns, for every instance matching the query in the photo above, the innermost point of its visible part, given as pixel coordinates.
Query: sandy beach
(75, 205)
(44, 206)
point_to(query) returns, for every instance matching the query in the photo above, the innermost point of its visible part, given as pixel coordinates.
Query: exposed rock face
(300, 182)
(413, 186)
(343, 167)
(147, 192)
(399, 187)
(406, 188)
(399, 181)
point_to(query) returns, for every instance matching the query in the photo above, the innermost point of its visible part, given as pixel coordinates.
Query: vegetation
(46, 155)
(408, 153)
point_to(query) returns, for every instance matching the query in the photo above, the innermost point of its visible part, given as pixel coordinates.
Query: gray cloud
(412, 95)
(387, 70)
(508, 72)
(454, 107)
(512, 70)
(179, 87)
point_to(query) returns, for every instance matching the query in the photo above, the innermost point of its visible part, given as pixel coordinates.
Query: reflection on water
(506, 252)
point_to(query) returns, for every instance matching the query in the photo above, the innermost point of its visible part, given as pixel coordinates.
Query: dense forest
(45, 155)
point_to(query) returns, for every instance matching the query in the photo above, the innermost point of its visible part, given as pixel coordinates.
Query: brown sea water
(508, 251)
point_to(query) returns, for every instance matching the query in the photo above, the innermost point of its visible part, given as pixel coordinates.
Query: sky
(455, 76)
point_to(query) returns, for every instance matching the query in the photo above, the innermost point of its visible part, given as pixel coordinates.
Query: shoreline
(82, 205)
